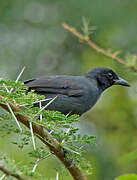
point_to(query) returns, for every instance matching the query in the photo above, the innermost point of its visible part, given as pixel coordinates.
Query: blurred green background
(31, 34)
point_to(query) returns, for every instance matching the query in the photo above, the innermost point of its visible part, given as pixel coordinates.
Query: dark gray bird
(76, 94)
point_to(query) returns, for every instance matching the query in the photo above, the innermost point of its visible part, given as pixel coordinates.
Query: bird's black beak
(121, 81)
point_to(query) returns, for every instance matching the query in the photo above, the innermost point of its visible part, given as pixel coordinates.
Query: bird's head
(105, 78)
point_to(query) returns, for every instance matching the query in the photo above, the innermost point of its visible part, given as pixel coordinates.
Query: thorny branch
(48, 140)
(94, 46)
(9, 173)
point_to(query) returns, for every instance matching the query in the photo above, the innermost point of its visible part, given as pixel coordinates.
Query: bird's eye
(110, 75)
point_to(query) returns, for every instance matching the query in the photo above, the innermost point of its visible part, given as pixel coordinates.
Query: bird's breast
(91, 96)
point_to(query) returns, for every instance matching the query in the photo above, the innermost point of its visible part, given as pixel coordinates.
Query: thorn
(45, 106)
(51, 132)
(57, 175)
(43, 100)
(3, 176)
(71, 150)
(20, 74)
(12, 113)
(68, 113)
(40, 106)
(66, 133)
(32, 135)
(6, 88)
(14, 117)
(38, 160)
(18, 77)
(35, 165)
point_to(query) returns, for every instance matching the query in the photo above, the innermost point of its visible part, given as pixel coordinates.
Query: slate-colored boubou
(76, 94)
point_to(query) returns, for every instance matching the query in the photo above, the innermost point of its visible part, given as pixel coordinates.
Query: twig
(96, 47)
(9, 173)
(53, 145)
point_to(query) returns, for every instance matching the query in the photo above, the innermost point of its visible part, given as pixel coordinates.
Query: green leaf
(62, 128)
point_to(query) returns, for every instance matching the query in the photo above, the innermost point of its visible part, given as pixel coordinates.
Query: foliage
(38, 41)
(59, 125)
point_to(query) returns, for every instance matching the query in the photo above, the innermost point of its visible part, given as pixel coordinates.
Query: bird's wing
(56, 85)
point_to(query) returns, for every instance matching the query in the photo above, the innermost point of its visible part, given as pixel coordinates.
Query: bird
(75, 94)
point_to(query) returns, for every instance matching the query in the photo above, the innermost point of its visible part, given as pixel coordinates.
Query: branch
(45, 137)
(97, 48)
(9, 173)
